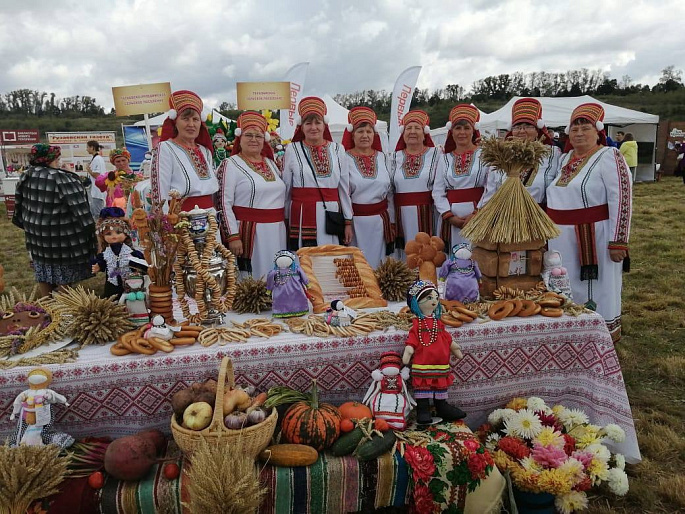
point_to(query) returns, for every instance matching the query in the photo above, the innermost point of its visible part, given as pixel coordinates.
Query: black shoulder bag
(335, 221)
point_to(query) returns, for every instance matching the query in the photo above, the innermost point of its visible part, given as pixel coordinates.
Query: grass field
(652, 351)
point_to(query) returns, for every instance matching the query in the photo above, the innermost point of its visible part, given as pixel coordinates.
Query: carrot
(257, 402)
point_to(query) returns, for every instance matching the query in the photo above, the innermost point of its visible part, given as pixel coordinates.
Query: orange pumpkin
(354, 410)
(311, 423)
(346, 425)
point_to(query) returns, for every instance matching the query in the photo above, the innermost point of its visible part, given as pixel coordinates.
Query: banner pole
(147, 132)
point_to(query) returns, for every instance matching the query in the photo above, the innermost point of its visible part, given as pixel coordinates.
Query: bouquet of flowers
(554, 450)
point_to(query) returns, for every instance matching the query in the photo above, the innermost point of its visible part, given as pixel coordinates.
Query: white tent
(159, 119)
(337, 121)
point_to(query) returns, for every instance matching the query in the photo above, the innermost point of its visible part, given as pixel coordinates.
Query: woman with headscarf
(460, 184)
(316, 172)
(415, 165)
(251, 198)
(591, 201)
(370, 188)
(52, 208)
(527, 123)
(182, 161)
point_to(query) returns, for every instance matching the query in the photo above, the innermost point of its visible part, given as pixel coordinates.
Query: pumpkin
(311, 423)
(354, 410)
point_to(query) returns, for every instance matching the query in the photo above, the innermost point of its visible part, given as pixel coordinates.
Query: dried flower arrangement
(251, 295)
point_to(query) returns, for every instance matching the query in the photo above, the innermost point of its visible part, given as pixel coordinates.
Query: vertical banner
(135, 141)
(401, 101)
(296, 76)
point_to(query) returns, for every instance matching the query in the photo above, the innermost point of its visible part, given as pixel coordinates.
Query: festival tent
(337, 121)
(556, 113)
(159, 119)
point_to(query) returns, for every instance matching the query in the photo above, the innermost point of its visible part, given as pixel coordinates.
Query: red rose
(423, 500)
(421, 463)
(477, 463)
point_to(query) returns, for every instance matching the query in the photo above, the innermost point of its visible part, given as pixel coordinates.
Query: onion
(235, 421)
(256, 416)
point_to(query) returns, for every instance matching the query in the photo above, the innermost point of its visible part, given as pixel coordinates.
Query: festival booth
(337, 122)
(557, 112)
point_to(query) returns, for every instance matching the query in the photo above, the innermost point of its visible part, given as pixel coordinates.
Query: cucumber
(347, 443)
(377, 446)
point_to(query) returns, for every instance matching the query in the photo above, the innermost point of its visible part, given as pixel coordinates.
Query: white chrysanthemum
(536, 404)
(570, 502)
(529, 464)
(618, 481)
(523, 424)
(620, 461)
(600, 451)
(491, 441)
(615, 433)
(574, 468)
(495, 417)
(573, 417)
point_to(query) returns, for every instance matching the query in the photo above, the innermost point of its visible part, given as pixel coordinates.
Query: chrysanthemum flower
(536, 404)
(575, 469)
(618, 481)
(517, 404)
(548, 456)
(600, 451)
(524, 424)
(620, 461)
(491, 441)
(615, 433)
(549, 436)
(554, 481)
(598, 471)
(571, 502)
(573, 417)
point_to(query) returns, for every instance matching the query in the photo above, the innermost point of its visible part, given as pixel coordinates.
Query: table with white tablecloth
(567, 360)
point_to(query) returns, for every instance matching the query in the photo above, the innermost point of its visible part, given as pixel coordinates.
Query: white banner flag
(401, 101)
(296, 76)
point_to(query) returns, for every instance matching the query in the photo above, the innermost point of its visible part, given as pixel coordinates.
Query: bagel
(549, 302)
(450, 321)
(551, 312)
(142, 346)
(118, 349)
(450, 305)
(186, 333)
(500, 310)
(461, 317)
(126, 340)
(195, 328)
(404, 309)
(161, 296)
(518, 305)
(161, 344)
(179, 341)
(529, 308)
(467, 312)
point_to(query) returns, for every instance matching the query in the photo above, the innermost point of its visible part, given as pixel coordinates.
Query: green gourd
(347, 443)
(376, 446)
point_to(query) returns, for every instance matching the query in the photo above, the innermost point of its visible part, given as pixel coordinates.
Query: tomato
(346, 425)
(96, 480)
(171, 471)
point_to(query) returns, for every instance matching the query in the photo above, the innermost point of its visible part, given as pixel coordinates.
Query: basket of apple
(220, 412)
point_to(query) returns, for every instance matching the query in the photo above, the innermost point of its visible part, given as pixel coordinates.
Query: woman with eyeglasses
(251, 198)
(527, 123)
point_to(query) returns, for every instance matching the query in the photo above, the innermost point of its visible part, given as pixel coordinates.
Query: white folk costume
(388, 396)
(459, 187)
(190, 171)
(537, 180)
(413, 178)
(371, 192)
(591, 201)
(314, 176)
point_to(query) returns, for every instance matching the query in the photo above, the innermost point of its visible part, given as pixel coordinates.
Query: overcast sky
(85, 47)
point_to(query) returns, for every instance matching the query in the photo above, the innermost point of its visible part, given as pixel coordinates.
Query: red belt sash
(415, 198)
(258, 215)
(376, 209)
(303, 212)
(579, 216)
(423, 201)
(472, 194)
(203, 202)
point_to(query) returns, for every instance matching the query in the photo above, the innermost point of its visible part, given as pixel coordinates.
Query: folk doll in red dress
(428, 348)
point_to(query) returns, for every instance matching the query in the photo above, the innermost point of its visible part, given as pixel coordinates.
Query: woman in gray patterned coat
(52, 208)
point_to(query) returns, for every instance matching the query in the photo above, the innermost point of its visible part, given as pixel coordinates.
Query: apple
(197, 416)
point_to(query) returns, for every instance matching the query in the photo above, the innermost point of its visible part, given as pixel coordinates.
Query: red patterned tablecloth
(569, 360)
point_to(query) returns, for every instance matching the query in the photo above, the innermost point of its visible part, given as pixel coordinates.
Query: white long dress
(174, 167)
(536, 183)
(596, 188)
(242, 186)
(333, 174)
(419, 179)
(464, 175)
(371, 187)
(97, 165)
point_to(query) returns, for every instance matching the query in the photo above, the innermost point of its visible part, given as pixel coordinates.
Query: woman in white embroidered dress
(316, 171)
(182, 161)
(370, 189)
(527, 123)
(252, 198)
(415, 165)
(591, 201)
(460, 186)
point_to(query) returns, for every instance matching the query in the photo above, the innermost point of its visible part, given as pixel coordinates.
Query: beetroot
(130, 457)
(157, 438)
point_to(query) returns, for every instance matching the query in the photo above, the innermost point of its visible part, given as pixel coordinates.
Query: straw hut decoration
(510, 232)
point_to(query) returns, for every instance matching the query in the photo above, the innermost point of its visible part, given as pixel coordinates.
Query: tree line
(29, 102)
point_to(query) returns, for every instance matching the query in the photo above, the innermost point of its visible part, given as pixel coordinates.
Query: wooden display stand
(515, 265)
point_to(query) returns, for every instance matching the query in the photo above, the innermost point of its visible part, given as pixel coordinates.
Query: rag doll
(388, 397)
(462, 275)
(554, 275)
(338, 315)
(288, 285)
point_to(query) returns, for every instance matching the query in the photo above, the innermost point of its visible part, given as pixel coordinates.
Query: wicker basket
(251, 440)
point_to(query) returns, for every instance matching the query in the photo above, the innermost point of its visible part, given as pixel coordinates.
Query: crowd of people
(350, 193)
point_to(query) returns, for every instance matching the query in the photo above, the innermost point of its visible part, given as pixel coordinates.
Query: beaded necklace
(432, 331)
(261, 168)
(320, 159)
(281, 278)
(413, 164)
(366, 164)
(462, 163)
(196, 159)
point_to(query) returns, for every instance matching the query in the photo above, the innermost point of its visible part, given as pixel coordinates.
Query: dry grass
(652, 351)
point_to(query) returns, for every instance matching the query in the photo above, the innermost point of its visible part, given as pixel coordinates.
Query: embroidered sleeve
(160, 173)
(228, 175)
(345, 163)
(439, 194)
(493, 180)
(617, 181)
(289, 163)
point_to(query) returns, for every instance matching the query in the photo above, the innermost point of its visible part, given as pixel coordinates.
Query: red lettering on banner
(294, 89)
(402, 100)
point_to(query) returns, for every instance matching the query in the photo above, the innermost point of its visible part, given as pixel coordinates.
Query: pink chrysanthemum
(548, 456)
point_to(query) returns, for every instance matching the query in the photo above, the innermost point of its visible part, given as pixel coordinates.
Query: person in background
(95, 168)
(619, 138)
(629, 151)
(53, 211)
(370, 187)
(182, 160)
(591, 202)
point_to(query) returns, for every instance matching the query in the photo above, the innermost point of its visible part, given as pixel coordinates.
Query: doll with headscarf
(220, 142)
(428, 349)
(387, 396)
(36, 417)
(288, 285)
(116, 257)
(461, 274)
